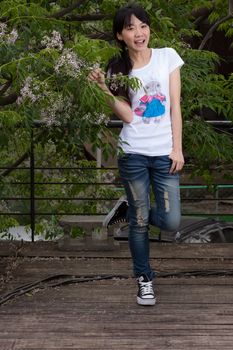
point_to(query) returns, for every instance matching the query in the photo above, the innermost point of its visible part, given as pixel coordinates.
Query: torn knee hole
(166, 202)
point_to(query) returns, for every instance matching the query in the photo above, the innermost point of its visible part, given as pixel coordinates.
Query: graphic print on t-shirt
(152, 104)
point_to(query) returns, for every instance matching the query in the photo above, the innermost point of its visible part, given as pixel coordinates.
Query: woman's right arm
(119, 107)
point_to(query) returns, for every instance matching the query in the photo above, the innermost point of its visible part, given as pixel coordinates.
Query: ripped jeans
(138, 173)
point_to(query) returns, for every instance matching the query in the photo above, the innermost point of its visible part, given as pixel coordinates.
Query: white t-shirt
(150, 131)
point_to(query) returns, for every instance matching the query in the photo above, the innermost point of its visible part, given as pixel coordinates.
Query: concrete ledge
(96, 238)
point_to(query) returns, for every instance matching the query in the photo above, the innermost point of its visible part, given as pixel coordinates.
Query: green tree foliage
(47, 49)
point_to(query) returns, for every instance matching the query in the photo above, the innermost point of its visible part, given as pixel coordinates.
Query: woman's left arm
(176, 120)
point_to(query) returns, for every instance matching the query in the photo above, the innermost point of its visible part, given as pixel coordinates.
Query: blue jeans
(138, 173)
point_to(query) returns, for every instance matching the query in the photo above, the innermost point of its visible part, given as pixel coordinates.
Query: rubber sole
(145, 302)
(113, 211)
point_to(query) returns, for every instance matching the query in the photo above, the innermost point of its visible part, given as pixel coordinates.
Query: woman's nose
(138, 32)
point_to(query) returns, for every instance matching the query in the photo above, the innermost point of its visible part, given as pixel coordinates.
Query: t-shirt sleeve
(174, 59)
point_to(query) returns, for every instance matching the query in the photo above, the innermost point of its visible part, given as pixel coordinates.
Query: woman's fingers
(96, 75)
(177, 161)
(176, 166)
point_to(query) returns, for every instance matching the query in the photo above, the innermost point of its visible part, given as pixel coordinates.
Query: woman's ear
(119, 37)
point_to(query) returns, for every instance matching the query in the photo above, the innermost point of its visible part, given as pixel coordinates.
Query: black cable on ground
(63, 279)
(48, 282)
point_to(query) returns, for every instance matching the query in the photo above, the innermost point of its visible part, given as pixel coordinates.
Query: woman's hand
(98, 76)
(119, 107)
(177, 161)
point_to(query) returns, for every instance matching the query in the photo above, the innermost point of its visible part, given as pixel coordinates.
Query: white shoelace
(146, 288)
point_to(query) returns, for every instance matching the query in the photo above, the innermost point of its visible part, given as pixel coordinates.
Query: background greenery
(47, 49)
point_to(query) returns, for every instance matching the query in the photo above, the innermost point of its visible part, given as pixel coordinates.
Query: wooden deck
(194, 310)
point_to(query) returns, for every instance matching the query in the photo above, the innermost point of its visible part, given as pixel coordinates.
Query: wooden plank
(158, 250)
(104, 332)
(155, 324)
(39, 266)
(49, 307)
(139, 342)
(94, 292)
(197, 280)
(169, 281)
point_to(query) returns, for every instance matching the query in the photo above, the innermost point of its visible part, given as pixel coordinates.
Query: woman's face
(136, 35)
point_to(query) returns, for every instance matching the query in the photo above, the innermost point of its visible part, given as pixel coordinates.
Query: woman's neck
(140, 58)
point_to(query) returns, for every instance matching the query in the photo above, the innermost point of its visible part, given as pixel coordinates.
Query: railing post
(216, 201)
(98, 158)
(32, 186)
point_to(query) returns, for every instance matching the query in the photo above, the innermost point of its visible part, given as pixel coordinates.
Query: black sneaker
(146, 294)
(117, 214)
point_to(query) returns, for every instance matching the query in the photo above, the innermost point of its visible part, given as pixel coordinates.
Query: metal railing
(33, 213)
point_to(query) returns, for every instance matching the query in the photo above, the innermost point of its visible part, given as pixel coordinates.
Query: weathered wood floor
(193, 312)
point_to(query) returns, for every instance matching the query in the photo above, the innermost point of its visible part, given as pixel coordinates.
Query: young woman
(151, 137)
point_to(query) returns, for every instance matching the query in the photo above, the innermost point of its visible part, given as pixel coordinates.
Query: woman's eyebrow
(131, 24)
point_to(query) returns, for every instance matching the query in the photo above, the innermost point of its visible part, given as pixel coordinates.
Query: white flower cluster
(9, 38)
(116, 81)
(59, 109)
(96, 118)
(53, 42)
(12, 37)
(56, 109)
(108, 176)
(29, 90)
(3, 28)
(69, 64)
(95, 66)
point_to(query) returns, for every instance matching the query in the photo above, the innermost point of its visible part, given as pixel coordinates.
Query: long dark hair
(122, 63)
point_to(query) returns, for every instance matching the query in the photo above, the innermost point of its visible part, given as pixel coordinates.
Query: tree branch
(5, 87)
(100, 35)
(230, 7)
(15, 164)
(88, 17)
(212, 29)
(103, 36)
(68, 9)
(22, 158)
(7, 100)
